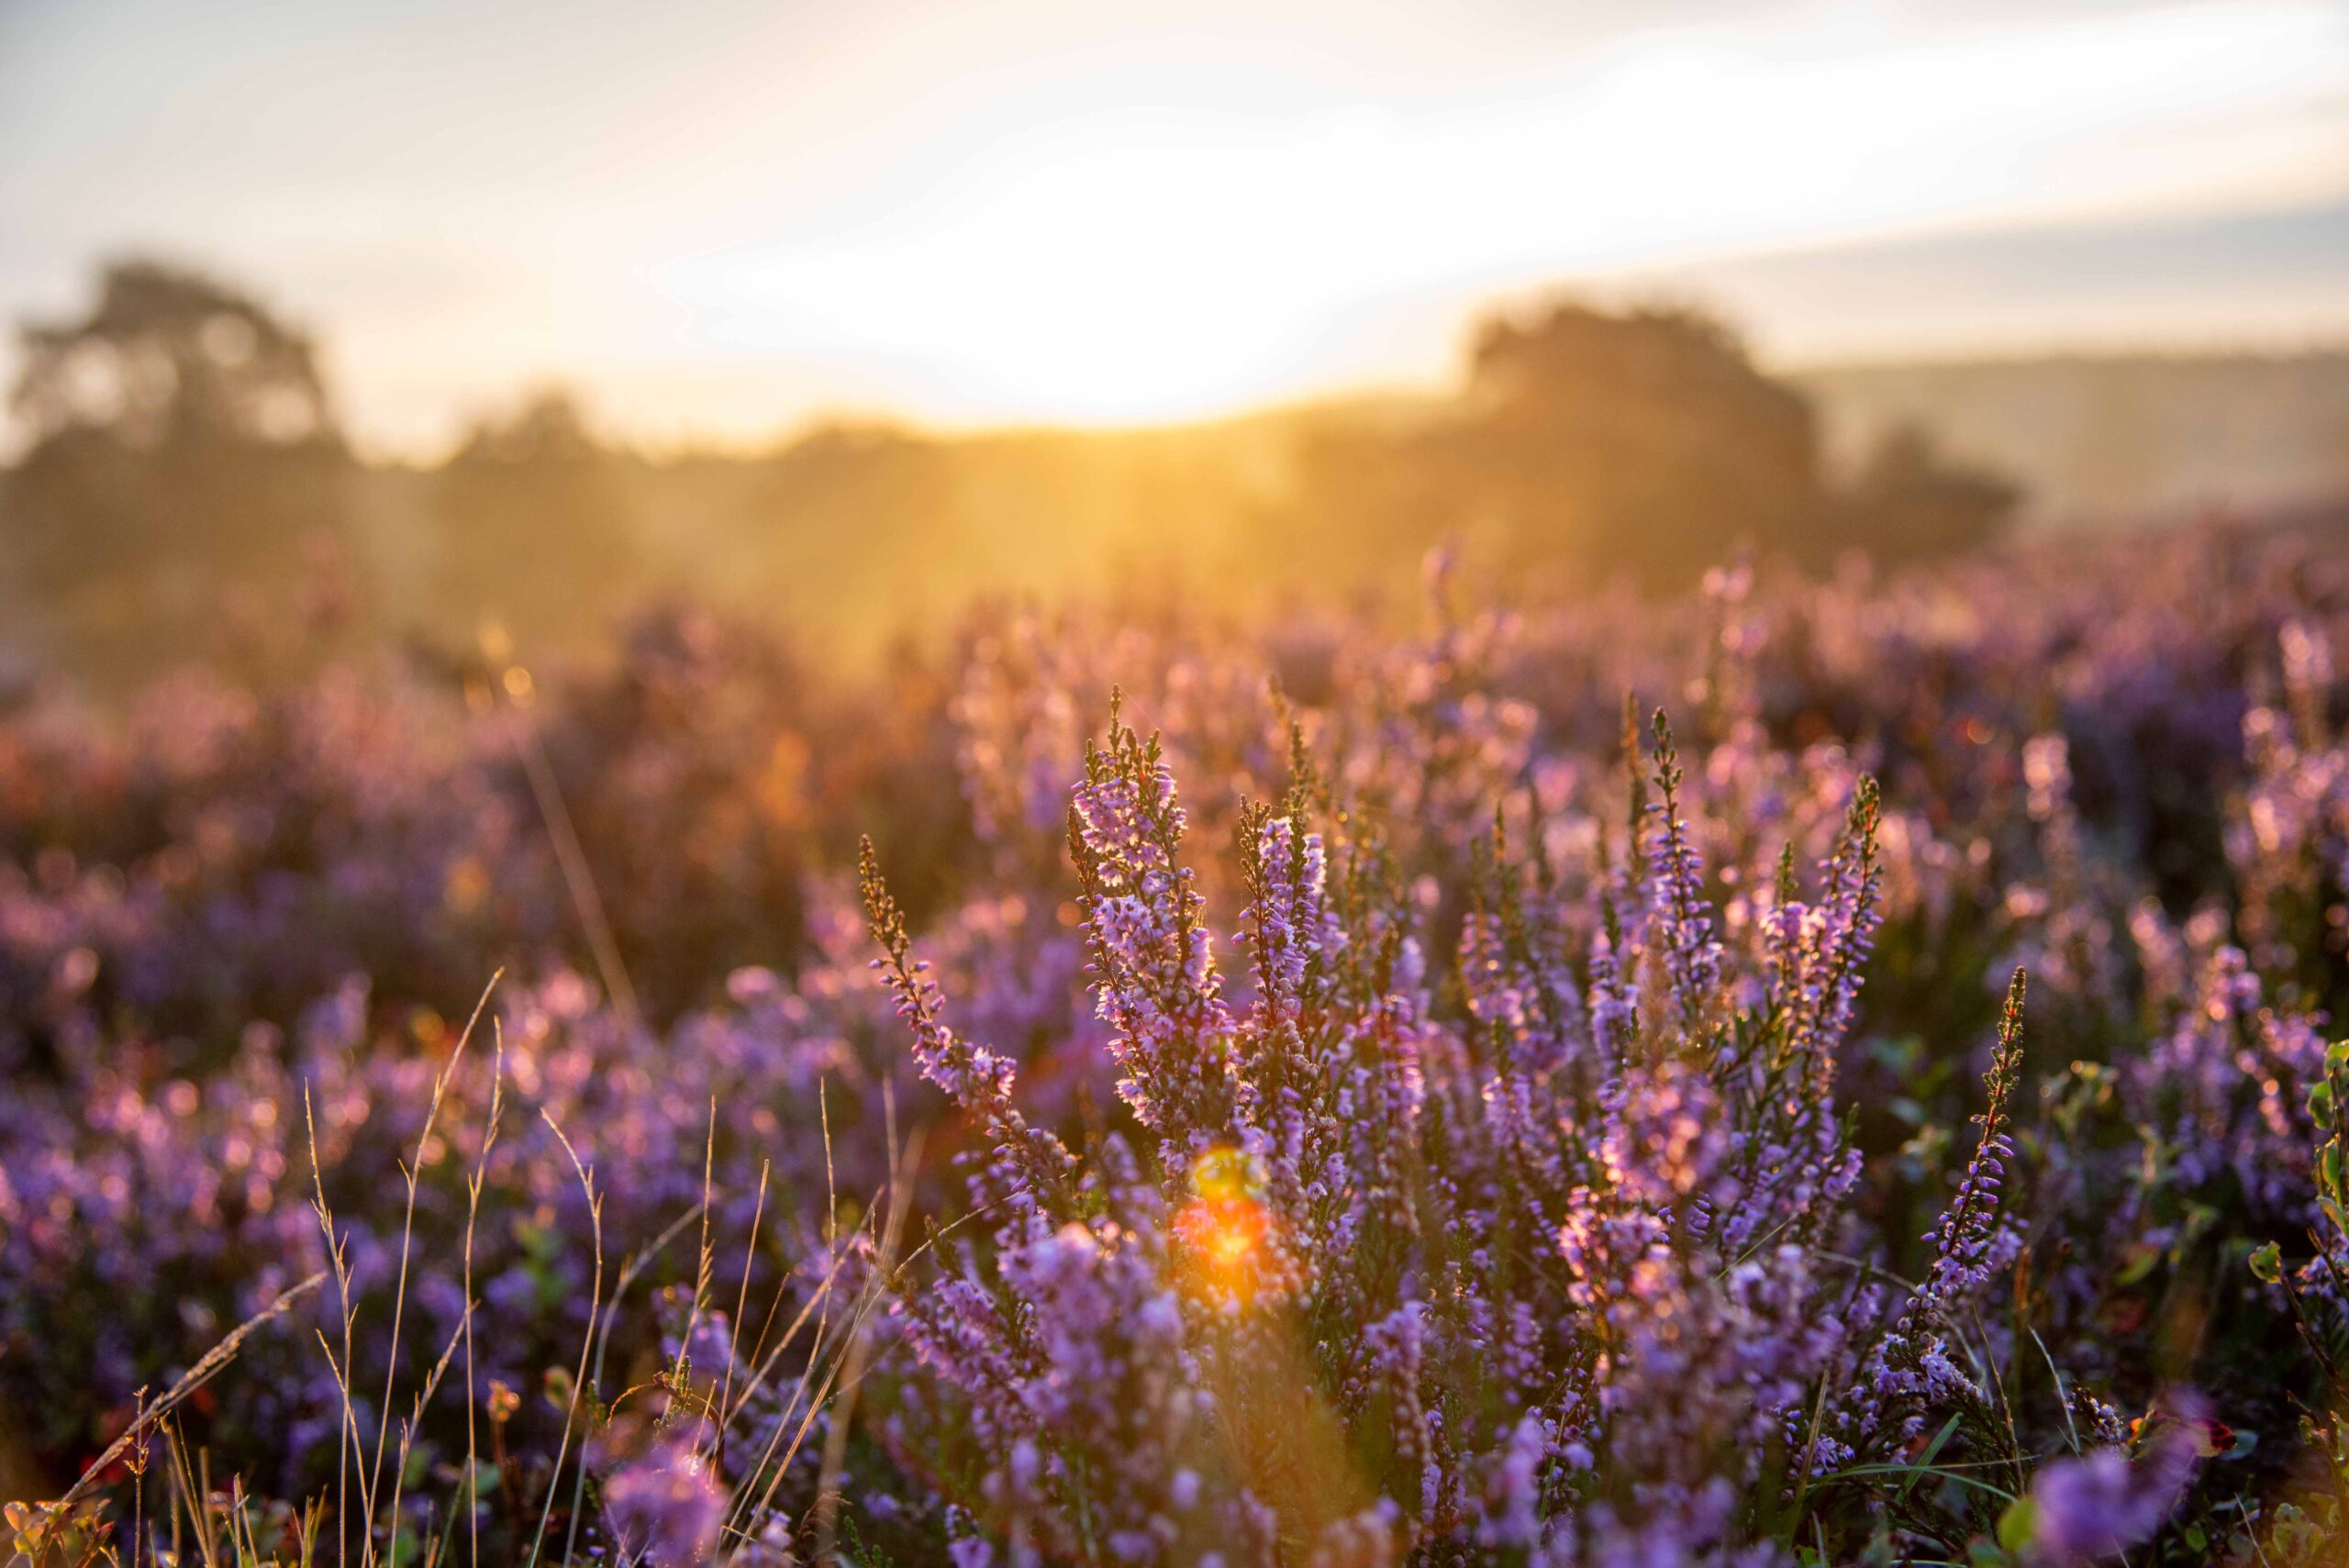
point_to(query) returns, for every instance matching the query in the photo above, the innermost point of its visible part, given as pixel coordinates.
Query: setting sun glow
(722, 220)
(1164, 237)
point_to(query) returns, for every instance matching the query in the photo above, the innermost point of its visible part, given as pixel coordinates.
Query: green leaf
(2015, 1524)
(2268, 1263)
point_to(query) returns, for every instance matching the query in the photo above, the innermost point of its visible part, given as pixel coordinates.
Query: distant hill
(2105, 440)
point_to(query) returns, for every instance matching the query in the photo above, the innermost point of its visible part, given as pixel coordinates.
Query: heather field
(1797, 1074)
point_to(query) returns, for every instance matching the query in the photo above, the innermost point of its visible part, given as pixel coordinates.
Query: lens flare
(1225, 1231)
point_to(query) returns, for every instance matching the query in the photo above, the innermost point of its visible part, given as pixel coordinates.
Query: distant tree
(183, 456)
(1645, 441)
(537, 528)
(1909, 503)
(169, 355)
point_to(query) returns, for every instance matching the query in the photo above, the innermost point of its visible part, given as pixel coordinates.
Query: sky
(720, 219)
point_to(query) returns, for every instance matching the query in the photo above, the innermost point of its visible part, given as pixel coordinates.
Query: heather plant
(1540, 1273)
(1405, 1100)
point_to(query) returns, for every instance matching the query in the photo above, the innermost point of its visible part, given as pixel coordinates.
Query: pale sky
(726, 217)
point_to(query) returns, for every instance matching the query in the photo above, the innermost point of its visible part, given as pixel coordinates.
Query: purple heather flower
(1679, 908)
(1966, 1244)
(664, 1501)
(2099, 1504)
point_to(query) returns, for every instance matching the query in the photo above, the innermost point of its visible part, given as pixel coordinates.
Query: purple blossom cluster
(1553, 1088)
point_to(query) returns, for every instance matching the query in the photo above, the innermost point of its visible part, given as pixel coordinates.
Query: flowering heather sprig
(1515, 970)
(1614, 1001)
(1794, 1159)
(1963, 1241)
(971, 1074)
(1911, 1368)
(1691, 951)
(1285, 1064)
(972, 1077)
(1287, 924)
(1155, 979)
(1845, 934)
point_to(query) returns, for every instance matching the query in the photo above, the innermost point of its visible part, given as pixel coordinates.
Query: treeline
(187, 491)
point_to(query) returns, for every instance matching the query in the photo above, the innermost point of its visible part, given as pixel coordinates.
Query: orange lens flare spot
(1233, 1242)
(1225, 1233)
(1223, 1175)
(1225, 1238)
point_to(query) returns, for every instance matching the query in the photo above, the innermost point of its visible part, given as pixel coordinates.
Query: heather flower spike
(972, 1077)
(1963, 1241)
(1690, 950)
(1155, 978)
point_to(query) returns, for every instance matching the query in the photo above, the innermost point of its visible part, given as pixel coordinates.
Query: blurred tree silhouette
(170, 355)
(185, 472)
(1646, 442)
(1908, 503)
(537, 528)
